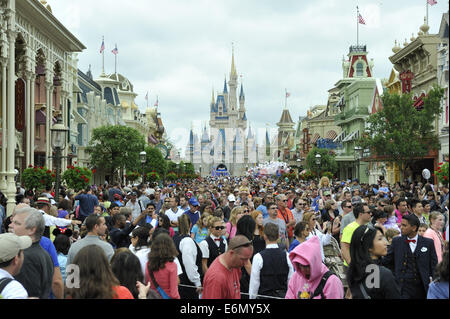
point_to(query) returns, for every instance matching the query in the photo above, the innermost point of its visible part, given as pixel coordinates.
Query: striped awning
(331, 135)
(338, 139)
(352, 136)
(315, 138)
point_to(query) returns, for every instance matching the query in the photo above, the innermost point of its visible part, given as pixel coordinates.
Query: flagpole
(357, 26)
(103, 57)
(427, 14)
(285, 98)
(115, 62)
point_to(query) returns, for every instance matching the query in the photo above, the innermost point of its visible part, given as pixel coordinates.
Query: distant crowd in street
(228, 238)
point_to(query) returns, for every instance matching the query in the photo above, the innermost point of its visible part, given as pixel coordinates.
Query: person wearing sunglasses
(347, 215)
(299, 209)
(285, 214)
(214, 244)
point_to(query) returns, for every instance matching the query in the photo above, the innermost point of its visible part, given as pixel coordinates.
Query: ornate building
(442, 78)
(230, 146)
(36, 57)
(356, 90)
(416, 64)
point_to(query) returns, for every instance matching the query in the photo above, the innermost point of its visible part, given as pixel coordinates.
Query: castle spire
(233, 73)
(225, 89)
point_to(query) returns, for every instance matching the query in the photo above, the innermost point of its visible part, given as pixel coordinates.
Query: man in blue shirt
(315, 199)
(193, 212)
(87, 203)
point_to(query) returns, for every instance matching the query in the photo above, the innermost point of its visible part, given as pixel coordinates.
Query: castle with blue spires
(230, 147)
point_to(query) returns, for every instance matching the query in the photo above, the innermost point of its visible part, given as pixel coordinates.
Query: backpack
(4, 282)
(323, 281)
(333, 260)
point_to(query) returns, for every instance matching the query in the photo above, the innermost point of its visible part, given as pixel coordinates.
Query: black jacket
(425, 254)
(386, 289)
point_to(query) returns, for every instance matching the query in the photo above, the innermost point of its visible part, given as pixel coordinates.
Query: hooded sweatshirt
(299, 286)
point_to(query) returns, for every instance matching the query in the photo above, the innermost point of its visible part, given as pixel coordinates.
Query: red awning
(419, 101)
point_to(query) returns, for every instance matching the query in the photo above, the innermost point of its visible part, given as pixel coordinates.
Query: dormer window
(359, 69)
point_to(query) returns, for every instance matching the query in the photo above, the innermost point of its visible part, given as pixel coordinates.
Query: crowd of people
(228, 238)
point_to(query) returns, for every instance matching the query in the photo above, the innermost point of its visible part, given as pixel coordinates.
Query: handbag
(161, 291)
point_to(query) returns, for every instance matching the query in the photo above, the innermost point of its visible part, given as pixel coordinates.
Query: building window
(359, 69)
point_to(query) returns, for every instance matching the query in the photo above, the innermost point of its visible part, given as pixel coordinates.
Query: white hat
(231, 198)
(11, 244)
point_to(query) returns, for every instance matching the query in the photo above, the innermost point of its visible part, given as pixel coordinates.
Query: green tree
(327, 161)
(400, 132)
(115, 147)
(155, 162)
(172, 167)
(181, 168)
(189, 169)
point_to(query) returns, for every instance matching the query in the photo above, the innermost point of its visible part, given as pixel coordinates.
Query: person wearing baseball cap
(43, 205)
(11, 261)
(193, 211)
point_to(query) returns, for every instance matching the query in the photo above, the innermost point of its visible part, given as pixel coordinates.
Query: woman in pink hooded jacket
(309, 270)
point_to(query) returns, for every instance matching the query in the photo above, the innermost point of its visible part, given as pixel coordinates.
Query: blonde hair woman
(235, 214)
(434, 232)
(324, 186)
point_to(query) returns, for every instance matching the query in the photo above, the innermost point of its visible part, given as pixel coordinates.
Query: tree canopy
(115, 147)
(401, 132)
(327, 161)
(155, 161)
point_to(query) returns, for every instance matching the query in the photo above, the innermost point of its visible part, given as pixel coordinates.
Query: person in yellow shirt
(363, 216)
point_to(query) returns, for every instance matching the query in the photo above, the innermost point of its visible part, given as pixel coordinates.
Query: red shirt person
(222, 278)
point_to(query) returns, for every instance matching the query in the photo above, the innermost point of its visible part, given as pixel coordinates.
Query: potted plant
(77, 177)
(37, 177)
(442, 173)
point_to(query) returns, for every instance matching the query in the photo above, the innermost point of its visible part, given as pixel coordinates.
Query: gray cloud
(179, 50)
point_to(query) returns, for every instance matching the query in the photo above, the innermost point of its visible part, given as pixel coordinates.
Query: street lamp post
(143, 159)
(318, 161)
(358, 155)
(58, 139)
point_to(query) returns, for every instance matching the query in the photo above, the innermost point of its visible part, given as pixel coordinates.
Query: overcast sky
(179, 50)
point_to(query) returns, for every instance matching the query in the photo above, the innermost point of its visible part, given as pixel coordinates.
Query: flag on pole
(288, 94)
(156, 103)
(432, 2)
(115, 51)
(146, 96)
(102, 47)
(361, 19)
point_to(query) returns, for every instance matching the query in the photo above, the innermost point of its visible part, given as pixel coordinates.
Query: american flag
(146, 96)
(361, 20)
(102, 47)
(288, 94)
(432, 2)
(156, 103)
(115, 51)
